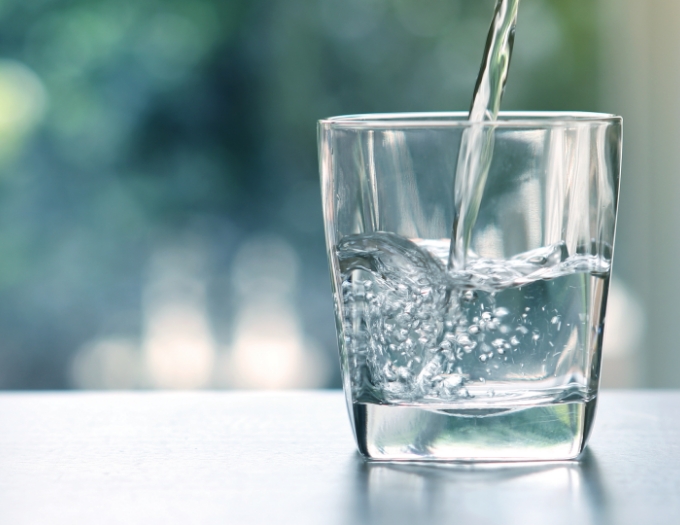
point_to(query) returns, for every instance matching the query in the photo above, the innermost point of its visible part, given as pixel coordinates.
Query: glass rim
(458, 119)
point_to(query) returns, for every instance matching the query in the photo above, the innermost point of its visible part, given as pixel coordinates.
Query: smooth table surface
(289, 458)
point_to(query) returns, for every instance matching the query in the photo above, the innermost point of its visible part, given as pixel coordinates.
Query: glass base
(418, 433)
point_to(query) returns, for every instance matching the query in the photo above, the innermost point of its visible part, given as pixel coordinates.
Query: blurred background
(160, 217)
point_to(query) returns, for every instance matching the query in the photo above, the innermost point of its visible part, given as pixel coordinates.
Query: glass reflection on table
(556, 493)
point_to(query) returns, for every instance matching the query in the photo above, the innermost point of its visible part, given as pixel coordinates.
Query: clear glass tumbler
(492, 353)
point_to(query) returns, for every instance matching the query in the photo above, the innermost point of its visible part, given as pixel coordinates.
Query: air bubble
(501, 312)
(483, 358)
(453, 381)
(514, 341)
(469, 295)
(464, 340)
(403, 373)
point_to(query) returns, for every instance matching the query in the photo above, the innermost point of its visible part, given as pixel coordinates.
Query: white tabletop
(289, 458)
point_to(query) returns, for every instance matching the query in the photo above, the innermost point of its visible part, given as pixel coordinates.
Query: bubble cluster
(413, 332)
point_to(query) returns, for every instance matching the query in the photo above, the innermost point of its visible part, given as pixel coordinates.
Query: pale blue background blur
(160, 218)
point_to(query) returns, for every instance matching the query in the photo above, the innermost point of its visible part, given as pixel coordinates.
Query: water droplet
(498, 343)
(483, 358)
(527, 309)
(473, 329)
(514, 341)
(482, 380)
(486, 316)
(501, 351)
(536, 337)
(555, 320)
(522, 330)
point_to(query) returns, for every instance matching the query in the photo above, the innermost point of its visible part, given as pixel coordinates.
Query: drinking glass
(491, 353)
